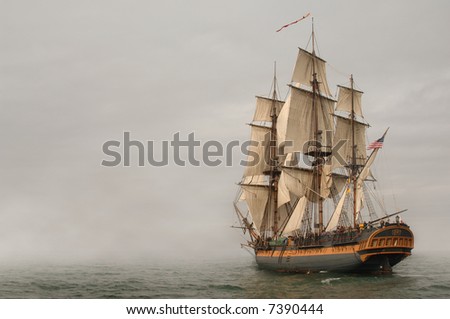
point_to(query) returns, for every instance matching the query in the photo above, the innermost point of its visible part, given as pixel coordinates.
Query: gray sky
(75, 74)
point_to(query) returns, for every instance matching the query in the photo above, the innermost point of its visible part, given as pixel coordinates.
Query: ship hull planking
(372, 251)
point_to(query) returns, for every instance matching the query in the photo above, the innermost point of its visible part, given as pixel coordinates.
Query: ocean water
(419, 276)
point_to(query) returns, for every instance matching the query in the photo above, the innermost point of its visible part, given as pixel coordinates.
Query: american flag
(376, 144)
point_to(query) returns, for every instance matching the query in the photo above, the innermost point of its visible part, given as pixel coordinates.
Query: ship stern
(385, 248)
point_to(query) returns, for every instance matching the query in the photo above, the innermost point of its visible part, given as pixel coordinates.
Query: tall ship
(308, 200)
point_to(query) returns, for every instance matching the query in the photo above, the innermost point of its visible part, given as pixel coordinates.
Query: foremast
(259, 186)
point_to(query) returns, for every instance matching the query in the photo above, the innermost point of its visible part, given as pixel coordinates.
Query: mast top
(312, 35)
(274, 88)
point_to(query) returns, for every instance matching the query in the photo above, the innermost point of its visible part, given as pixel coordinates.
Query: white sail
(252, 180)
(256, 198)
(344, 102)
(326, 181)
(283, 192)
(296, 218)
(263, 112)
(307, 64)
(344, 133)
(297, 120)
(334, 220)
(302, 182)
(359, 194)
(257, 160)
(282, 215)
(297, 181)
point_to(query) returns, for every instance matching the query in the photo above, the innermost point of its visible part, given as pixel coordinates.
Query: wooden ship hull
(372, 250)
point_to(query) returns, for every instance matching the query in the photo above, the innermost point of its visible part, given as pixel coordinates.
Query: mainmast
(273, 160)
(317, 138)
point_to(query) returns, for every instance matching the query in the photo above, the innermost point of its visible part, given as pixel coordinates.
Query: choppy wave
(416, 277)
